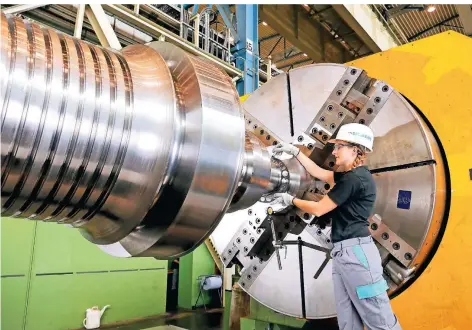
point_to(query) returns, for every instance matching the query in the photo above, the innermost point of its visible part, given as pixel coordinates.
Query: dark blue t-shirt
(354, 194)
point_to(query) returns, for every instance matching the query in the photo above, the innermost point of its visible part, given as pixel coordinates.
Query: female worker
(359, 288)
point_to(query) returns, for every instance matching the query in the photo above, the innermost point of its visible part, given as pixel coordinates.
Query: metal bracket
(307, 141)
(394, 244)
(267, 137)
(240, 238)
(319, 235)
(285, 225)
(322, 187)
(332, 113)
(251, 272)
(375, 103)
(251, 234)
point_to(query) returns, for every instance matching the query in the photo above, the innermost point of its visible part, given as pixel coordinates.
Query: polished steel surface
(400, 136)
(153, 133)
(310, 87)
(298, 178)
(79, 144)
(388, 239)
(210, 159)
(265, 135)
(140, 149)
(257, 178)
(419, 181)
(271, 99)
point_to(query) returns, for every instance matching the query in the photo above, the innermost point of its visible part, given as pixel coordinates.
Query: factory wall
(193, 265)
(51, 275)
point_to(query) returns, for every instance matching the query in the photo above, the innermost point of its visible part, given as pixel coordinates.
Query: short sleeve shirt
(354, 194)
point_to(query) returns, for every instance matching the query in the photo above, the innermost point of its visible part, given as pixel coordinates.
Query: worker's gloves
(285, 199)
(287, 148)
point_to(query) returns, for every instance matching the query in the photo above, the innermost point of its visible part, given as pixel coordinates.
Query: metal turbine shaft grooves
(122, 145)
(142, 150)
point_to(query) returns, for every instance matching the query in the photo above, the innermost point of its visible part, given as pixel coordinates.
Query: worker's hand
(285, 199)
(287, 148)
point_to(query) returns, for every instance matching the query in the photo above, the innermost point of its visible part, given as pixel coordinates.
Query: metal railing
(197, 30)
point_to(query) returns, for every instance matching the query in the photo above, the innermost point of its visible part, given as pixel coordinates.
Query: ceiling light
(431, 8)
(264, 23)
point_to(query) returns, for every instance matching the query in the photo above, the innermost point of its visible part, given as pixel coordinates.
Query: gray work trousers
(359, 288)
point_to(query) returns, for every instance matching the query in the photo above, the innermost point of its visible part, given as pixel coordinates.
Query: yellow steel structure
(436, 75)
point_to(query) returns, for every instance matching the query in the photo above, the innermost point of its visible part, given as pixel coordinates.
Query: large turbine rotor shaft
(142, 150)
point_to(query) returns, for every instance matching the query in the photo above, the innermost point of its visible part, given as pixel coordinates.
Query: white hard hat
(355, 133)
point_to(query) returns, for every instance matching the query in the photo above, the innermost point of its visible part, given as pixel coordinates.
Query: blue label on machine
(404, 199)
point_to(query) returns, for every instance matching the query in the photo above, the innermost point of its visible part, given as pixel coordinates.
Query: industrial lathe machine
(148, 151)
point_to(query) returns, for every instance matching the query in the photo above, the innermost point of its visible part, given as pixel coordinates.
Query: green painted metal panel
(17, 238)
(185, 281)
(227, 310)
(60, 301)
(262, 313)
(193, 265)
(247, 324)
(250, 324)
(203, 264)
(62, 249)
(13, 302)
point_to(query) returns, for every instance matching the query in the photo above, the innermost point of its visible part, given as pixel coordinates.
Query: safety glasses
(338, 146)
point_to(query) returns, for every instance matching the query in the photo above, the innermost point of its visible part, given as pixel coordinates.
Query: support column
(99, 21)
(225, 13)
(79, 21)
(247, 48)
(18, 9)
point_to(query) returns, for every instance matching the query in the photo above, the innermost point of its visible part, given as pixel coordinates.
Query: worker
(359, 288)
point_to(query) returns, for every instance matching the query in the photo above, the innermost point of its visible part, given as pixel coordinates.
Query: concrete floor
(165, 327)
(212, 319)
